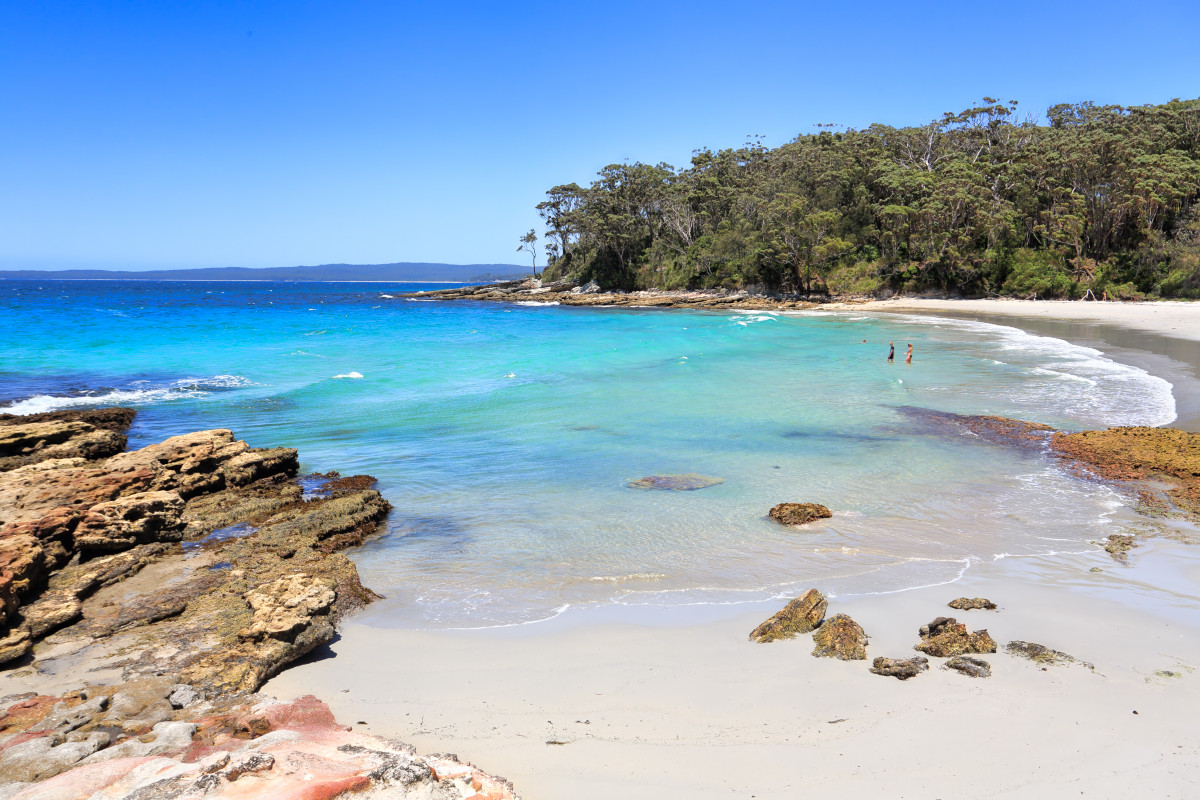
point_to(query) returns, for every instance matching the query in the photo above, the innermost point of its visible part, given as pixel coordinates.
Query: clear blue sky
(181, 134)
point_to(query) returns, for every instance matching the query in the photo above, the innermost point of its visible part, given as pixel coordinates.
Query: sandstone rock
(301, 752)
(183, 696)
(972, 603)
(32, 442)
(968, 665)
(902, 668)
(42, 757)
(946, 637)
(1041, 654)
(14, 644)
(50, 612)
(286, 607)
(801, 615)
(799, 513)
(112, 419)
(840, 637)
(686, 482)
(131, 520)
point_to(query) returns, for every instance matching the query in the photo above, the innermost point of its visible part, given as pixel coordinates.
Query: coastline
(1158, 337)
(653, 701)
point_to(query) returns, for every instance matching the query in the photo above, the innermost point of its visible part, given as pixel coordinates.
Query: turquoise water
(505, 435)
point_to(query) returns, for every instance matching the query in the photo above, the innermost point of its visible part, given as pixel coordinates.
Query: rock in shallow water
(798, 513)
(687, 482)
(902, 668)
(840, 637)
(799, 616)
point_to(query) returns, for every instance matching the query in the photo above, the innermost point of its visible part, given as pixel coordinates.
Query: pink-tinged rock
(302, 714)
(82, 783)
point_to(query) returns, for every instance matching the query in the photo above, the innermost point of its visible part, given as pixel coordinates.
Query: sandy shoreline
(654, 702)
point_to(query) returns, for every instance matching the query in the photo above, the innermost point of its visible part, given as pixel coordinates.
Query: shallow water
(505, 435)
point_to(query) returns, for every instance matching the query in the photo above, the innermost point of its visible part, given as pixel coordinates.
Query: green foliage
(977, 202)
(1039, 274)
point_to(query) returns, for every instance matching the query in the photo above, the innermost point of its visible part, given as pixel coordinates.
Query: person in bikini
(908, 357)
(891, 352)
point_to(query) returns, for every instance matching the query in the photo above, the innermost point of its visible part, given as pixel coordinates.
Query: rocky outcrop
(970, 666)
(801, 615)
(1040, 654)
(840, 637)
(1139, 454)
(590, 294)
(123, 566)
(687, 482)
(902, 668)
(972, 603)
(62, 434)
(945, 637)
(285, 585)
(798, 513)
(140, 518)
(245, 746)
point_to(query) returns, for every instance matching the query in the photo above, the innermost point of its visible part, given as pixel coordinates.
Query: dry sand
(647, 702)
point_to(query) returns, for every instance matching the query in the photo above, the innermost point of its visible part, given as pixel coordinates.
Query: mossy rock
(801, 615)
(799, 513)
(840, 637)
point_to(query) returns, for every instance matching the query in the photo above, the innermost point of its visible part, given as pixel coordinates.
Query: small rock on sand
(902, 668)
(799, 616)
(969, 665)
(840, 637)
(972, 603)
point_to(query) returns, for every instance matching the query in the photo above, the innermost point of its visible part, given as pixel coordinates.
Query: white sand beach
(648, 702)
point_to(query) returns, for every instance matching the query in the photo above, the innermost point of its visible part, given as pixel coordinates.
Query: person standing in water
(891, 352)
(908, 357)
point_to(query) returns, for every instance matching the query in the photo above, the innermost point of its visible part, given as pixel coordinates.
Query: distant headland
(401, 271)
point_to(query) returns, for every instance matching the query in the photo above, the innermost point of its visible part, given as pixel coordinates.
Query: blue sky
(141, 135)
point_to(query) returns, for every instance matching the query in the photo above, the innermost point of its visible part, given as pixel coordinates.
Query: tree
(529, 245)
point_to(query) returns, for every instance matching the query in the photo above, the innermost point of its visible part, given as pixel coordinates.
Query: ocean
(506, 435)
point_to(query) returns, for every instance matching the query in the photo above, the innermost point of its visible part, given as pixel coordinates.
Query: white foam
(188, 388)
(1117, 394)
(537, 302)
(354, 375)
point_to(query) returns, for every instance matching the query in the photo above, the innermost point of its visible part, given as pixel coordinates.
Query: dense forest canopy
(981, 202)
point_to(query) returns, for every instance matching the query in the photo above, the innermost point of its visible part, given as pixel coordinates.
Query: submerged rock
(1041, 654)
(946, 636)
(801, 615)
(840, 637)
(969, 665)
(972, 603)
(1118, 546)
(1139, 454)
(798, 513)
(902, 668)
(688, 481)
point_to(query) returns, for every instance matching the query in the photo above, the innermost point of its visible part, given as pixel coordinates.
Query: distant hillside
(404, 271)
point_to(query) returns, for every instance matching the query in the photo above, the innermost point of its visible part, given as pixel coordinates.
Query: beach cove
(608, 652)
(652, 701)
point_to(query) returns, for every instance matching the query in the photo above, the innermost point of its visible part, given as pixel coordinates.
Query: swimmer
(891, 352)
(908, 358)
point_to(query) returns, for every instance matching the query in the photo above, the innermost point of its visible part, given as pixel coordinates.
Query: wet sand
(652, 702)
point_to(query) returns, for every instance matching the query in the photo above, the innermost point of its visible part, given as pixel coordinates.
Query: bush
(1039, 273)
